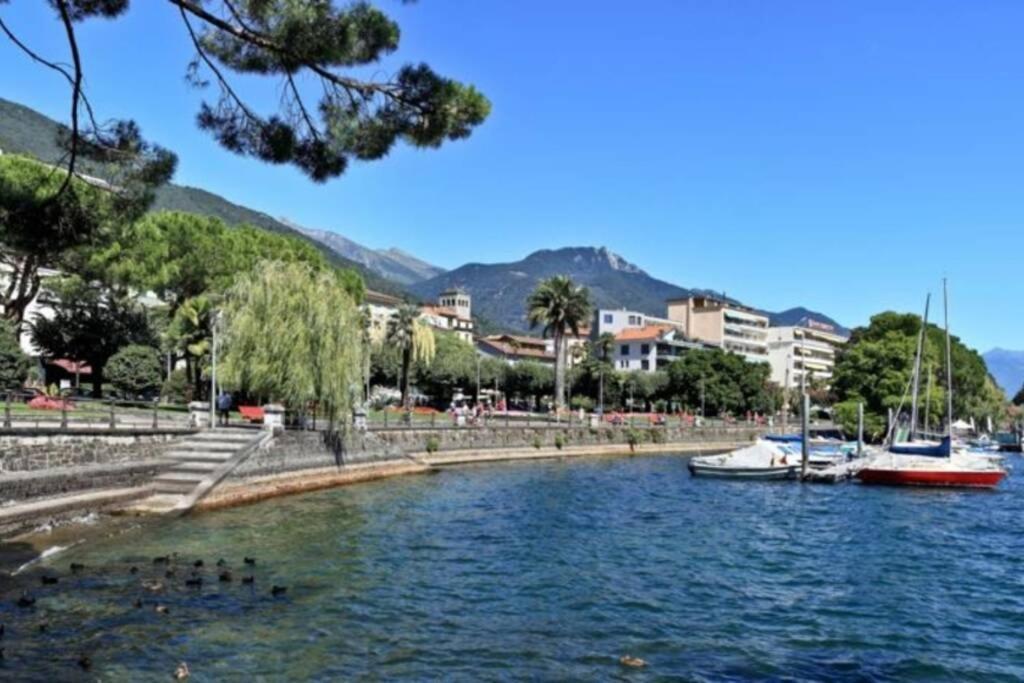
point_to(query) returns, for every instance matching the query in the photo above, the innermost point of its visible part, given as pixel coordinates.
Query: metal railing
(79, 412)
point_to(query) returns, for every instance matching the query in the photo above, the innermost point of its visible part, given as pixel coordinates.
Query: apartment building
(722, 323)
(650, 348)
(807, 349)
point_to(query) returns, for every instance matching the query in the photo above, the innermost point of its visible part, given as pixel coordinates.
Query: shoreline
(29, 545)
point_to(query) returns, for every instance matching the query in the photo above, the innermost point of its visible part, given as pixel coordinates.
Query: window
(645, 364)
(634, 320)
(624, 350)
(623, 363)
(608, 318)
(645, 350)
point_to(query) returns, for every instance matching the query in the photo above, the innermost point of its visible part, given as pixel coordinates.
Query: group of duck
(168, 568)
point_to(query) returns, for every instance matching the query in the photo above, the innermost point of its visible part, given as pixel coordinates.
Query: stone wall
(22, 486)
(296, 451)
(35, 451)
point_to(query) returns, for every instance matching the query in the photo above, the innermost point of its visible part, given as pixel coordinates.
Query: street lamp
(213, 371)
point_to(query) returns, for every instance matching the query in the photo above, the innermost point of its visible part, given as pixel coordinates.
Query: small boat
(763, 460)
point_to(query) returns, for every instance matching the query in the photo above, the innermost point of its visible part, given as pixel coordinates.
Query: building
(650, 347)
(808, 349)
(614, 321)
(379, 307)
(513, 348)
(724, 324)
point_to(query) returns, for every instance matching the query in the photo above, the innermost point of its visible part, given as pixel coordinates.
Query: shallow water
(551, 571)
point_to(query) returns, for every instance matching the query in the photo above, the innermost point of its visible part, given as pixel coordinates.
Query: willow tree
(561, 307)
(314, 54)
(293, 334)
(409, 333)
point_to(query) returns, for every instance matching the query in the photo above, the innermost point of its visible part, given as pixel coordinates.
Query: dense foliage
(135, 370)
(293, 334)
(414, 340)
(14, 364)
(724, 383)
(876, 366)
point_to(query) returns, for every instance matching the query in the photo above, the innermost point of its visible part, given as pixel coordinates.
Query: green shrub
(634, 437)
(611, 434)
(176, 388)
(14, 364)
(433, 444)
(134, 370)
(559, 441)
(536, 442)
(657, 435)
(584, 402)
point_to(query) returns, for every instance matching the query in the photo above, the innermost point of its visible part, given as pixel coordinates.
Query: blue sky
(844, 156)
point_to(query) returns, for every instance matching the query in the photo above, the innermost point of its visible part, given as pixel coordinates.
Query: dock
(835, 473)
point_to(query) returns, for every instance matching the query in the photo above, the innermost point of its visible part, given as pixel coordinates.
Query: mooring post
(156, 403)
(63, 413)
(7, 410)
(385, 417)
(113, 421)
(860, 430)
(805, 446)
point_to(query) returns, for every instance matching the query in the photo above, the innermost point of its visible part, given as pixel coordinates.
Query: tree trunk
(97, 380)
(406, 371)
(559, 371)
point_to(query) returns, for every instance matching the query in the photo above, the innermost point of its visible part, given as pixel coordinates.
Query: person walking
(223, 407)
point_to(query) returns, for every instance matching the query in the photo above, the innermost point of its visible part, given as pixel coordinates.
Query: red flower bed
(48, 403)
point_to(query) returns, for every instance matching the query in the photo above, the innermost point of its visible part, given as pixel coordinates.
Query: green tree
(134, 370)
(452, 366)
(90, 324)
(315, 53)
(530, 380)
(723, 381)
(876, 365)
(293, 334)
(414, 340)
(561, 307)
(14, 364)
(1018, 399)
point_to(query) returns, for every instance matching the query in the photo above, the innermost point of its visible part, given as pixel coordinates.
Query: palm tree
(408, 332)
(561, 306)
(603, 346)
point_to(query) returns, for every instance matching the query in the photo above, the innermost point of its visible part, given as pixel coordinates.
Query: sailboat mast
(949, 364)
(928, 401)
(917, 369)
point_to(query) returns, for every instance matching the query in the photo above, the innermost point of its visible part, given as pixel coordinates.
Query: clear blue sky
(844, 156)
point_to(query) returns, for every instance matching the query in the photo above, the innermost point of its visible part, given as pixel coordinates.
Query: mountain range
(1007, 367)
(499, 290)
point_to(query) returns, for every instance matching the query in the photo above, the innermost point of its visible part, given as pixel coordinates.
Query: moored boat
(761, 461)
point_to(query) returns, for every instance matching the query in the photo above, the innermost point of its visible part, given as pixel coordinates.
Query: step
(157, 503)
(224, 435)
(181, 454)
(189, 478)
(209, 446)
(198, 466)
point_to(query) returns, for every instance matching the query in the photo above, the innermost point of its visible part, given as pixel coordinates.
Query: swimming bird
(169, 573)
(194, 581)
(278, 590)
(248, 579)
(85, 661)
(133, 570)
(222, 562)
(43, 626)
(182, 672)
(26, 600)
(162, 559)
(225, 576)
(197, 563)
(76, 567)
(635, 662)
(155, 586)
(162, 609)
(48, 580)
(1, 630)
(138, 603)
(250, 560)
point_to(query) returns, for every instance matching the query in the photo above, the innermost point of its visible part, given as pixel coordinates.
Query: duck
(222, 562)
(194, 581)
(278, 590)
(48, 580)
(162, 609)
(197, 563)
(43, 627)
(133, 570)
(26, 600)
(248, 579)
(634, 662)
(169, 573)
(154, 586)
(161, 559)
(138, 603)
(85, 661)
(249, 560)
(77, 567)
(182, 672)
(2, 630)
(225, 576)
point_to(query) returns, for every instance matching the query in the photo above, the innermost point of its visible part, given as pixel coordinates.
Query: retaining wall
(36, 450)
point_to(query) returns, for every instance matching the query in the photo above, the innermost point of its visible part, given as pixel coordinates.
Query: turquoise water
(552, 571)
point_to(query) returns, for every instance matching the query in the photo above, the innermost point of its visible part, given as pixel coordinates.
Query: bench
(251, 413)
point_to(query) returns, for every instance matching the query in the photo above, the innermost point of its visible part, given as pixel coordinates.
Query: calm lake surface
(551, 571)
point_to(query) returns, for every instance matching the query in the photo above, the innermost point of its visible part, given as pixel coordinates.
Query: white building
(453, 313)
(614, 321)
(807, 348)
(650, 348)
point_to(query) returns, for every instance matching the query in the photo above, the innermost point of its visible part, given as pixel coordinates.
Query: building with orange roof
(651, 347)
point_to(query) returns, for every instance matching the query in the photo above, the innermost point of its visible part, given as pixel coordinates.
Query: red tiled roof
(72, 366)
(505, 348)
(642, 333)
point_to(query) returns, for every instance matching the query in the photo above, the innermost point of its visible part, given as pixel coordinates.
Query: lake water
(551, 571)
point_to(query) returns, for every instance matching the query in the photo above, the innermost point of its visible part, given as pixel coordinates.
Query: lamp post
(213, 371)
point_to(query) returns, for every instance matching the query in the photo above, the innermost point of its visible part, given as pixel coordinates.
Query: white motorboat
(764, 460)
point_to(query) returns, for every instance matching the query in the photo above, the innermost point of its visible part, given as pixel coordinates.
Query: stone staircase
(199, 463)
